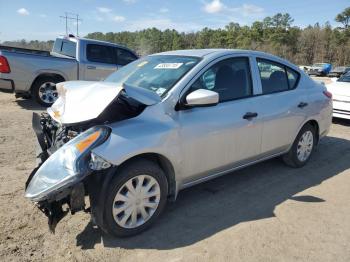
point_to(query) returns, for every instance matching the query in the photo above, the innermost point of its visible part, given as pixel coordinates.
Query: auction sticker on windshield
(168, 66)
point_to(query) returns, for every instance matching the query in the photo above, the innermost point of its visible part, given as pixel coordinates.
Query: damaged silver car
(166, 122)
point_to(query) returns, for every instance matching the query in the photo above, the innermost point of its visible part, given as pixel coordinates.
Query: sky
(40, 20)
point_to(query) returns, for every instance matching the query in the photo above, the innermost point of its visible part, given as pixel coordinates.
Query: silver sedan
(166, 122)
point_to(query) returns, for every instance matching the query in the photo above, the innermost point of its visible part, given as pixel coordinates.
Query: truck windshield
(65, 47)
(157, 73)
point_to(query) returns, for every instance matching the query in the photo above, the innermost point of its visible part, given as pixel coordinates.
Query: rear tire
(302, 148)
(129, 212)
(44, 90)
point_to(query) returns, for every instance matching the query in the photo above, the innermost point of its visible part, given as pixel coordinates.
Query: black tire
(133, 169)
(36, 87)
(291, 158)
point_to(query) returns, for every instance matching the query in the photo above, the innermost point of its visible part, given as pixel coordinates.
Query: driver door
(217, 138)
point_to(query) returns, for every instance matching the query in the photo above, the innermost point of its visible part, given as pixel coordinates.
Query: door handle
(91, 67)
(250, 115)
(302, 104)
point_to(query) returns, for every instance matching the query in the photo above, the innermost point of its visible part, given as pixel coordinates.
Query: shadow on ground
(29, 104)
(246, 195)
(341, 121)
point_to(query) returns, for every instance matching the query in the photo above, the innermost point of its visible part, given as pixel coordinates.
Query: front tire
(136, 197)
(302, 148)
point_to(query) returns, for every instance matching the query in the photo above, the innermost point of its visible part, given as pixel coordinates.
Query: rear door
(100, 62)
(283, 106)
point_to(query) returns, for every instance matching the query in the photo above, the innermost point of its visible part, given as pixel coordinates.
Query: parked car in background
(320, 69)
(338, 71)
(166, 122)
(304, 68)
(35, 73)
(340, 88)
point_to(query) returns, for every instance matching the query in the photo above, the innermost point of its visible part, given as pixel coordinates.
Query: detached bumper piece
(55, 210)
(41, 152)
(54, 213)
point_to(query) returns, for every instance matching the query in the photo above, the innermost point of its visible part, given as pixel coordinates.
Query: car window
(124, 57)
(293, 78)
(273, 77)
(67, 48)
(99, 53)
(230, 78)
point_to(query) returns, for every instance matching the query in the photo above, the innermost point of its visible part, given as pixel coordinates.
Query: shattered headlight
(67, 165)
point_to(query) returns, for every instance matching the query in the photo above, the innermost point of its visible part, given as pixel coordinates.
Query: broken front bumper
(58, 184)
(73, 197)
(55, 210)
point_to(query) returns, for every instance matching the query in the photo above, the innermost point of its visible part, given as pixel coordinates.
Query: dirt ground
(267, 212)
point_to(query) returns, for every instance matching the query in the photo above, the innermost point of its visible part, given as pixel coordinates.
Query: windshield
(319, 65)
(157, 73)
(345, 78)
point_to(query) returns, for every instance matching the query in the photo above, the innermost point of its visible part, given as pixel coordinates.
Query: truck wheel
(302, 148)
(44, 90)
(136, 197)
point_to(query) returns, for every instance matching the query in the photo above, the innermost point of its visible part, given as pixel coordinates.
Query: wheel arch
(164, 163)
(315, 125)
(48, 74)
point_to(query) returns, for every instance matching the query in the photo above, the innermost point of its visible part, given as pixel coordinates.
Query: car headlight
(67, 165)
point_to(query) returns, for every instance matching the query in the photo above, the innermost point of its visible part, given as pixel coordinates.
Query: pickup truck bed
(26, 65)
(24, 50)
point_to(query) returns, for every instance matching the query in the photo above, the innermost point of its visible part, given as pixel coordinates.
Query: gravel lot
(267, 212)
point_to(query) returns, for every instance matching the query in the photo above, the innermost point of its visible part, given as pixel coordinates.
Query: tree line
(276, 35)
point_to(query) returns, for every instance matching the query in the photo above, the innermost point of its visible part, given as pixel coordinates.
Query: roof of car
(76, 39)
(205, 52)
(216, 53)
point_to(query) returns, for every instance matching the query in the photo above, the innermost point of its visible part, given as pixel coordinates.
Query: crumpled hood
(339, 89)
(80, 101)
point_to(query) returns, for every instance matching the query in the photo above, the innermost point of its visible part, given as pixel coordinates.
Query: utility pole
(76, 18)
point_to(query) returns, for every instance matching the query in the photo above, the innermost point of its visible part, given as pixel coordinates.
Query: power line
(76, 18)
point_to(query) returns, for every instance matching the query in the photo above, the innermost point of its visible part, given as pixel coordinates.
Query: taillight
(328, 94)
(4, 65)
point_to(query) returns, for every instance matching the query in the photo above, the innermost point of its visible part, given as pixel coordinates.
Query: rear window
(100, 54)
(65, 47)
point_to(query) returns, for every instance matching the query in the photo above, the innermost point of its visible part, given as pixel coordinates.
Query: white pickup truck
(32, 73)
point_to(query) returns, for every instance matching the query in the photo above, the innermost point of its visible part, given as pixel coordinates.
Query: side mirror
(202, 97)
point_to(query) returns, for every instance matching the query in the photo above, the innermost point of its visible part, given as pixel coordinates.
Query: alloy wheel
(305, 145)
(48, 93)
